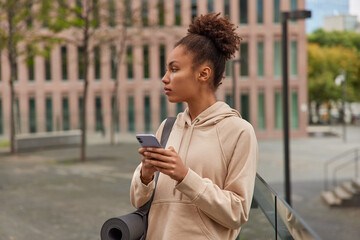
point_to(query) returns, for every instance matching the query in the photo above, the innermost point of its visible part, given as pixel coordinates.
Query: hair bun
(218, 29)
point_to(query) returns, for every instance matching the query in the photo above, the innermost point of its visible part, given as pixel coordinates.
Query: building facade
(49, 92)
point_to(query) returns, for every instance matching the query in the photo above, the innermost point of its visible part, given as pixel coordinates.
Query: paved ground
(50, 195)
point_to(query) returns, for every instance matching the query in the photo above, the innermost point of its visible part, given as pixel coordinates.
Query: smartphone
(148, 140)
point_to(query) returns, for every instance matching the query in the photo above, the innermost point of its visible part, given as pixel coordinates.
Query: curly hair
(211, 39)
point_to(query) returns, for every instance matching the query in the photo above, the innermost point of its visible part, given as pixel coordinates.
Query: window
(261, 111)
(227, 8)
(97, 63)
(47, 68)
(144, 13)
(64, 63)
(260, 11)
(245, 106)
(129, 61)
(128, 13)
(29, 18)
(293, 58)
(98, 115)
(276, 11)
(293, 6)
(113, 62)
(30, 64)
(179, 107)
(260, 59)
(81, 109)
(294, 111)
(277, 59)
(228, 68)
(193, 9)
(177, 12)
(228, 99)
(0, 68)
(243, 12)
(163, 109)
(1, 119)
(244, 54)
(79, 4)
(131, 114)
(161, 11)
(81, 70)
(146, 67)
(65, 114)
(147, 113)
(112, 13)
(278, 111)
(114, 106)
(48, 114)
(210, 6)
(95, 14)
(32, 115)
(162, 61)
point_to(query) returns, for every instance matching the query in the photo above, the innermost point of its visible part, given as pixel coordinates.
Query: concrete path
(50, 195)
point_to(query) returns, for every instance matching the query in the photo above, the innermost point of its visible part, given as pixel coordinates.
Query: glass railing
(272, 218)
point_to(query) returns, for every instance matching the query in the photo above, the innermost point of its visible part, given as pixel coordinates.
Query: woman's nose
(165, 78)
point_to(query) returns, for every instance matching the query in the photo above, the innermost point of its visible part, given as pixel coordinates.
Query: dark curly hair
(211, 39)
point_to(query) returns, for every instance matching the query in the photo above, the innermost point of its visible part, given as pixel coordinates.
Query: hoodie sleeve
(139, 192)
(229, 206)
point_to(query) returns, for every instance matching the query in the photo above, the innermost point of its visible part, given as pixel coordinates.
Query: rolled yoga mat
(127, 227)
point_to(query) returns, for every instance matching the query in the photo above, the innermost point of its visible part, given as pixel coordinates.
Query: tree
(17, 19)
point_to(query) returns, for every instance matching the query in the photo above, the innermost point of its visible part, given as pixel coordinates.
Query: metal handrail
(340, 157)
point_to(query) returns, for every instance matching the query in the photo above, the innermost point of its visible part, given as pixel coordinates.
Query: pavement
(49, 194)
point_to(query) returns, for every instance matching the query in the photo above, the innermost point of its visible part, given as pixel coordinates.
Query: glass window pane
(260, 11)
(98, 115)
(161, 10)
(32, 115)
(277, 59)
(144, 9)
(293, 58)
(129, 60)
(47, 68)
(81, 63)
(260, 59)
(178, 12)
(276, 11)
(278, 111)
(48, 113)
(210, 6)
(113, 63)
(294, 111)
(179, 107)
(131, 114)
(228, 99)
(162, 61)
(261, 111)
(30, 65)
(193, 9)
(243, 11)
(244, 54)
(227, 8)
(245, 106)
(112, 13)
(146, 67)
(95, 13)
(65, 114)
(64, 63)
(163, 108)
(80, 106)
(97, 64)
(147, 113)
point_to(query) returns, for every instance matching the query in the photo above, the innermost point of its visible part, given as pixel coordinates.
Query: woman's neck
(198, 106)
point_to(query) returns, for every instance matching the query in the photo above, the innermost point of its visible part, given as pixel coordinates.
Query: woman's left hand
(167, 161)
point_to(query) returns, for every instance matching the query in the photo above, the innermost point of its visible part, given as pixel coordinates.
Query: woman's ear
(205, 73)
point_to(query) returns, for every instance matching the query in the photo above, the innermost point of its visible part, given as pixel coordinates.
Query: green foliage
(328, 54)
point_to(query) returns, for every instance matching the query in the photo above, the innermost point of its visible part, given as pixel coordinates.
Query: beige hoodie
(214, 198)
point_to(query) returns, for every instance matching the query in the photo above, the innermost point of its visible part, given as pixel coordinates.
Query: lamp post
(240, 60)
(285, 16)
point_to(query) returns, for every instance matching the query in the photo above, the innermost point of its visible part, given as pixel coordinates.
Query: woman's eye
(173, 69)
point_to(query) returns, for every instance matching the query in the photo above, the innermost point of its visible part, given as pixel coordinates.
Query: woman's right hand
(147, 169)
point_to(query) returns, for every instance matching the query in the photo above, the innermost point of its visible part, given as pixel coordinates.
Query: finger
(161, 151)
(157, 164)
(141, 150)
(157, 156)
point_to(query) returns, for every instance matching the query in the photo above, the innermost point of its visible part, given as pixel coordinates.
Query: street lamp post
(285, 16)
(340, 80)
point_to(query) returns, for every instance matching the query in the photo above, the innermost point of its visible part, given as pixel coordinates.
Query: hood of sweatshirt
(210, 116)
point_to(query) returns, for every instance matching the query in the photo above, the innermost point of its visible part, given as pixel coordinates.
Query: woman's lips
(167, 90)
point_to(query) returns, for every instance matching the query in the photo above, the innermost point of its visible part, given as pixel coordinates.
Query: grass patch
(4, 144)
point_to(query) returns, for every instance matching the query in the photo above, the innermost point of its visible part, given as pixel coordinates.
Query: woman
(208, 167)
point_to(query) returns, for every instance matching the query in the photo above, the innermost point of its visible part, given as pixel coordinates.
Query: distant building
(323, 8)
(49, 92)
(341, 23)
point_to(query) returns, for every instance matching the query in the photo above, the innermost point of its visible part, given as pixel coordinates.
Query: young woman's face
(180, 79)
